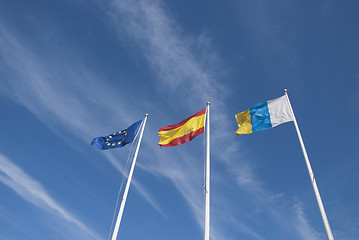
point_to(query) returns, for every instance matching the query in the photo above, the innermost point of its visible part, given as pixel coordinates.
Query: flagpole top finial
(208, 103)
(285, 90)
(146, 115)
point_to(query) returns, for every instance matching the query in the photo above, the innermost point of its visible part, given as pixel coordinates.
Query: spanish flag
(184, 131)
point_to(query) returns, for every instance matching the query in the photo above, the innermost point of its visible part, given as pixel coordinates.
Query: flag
(117, 139)
(264, 116)
(183, 131)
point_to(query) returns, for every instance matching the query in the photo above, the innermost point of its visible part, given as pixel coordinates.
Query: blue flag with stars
(117, 139)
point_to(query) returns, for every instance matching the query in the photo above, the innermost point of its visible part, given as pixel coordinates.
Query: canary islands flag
(264, 116)
(183, 131)
(117, 139)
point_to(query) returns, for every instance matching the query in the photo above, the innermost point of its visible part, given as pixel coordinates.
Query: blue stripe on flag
(260, 117)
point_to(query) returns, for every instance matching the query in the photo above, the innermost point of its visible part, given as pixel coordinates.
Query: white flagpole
(207, 178)
(120, 212)
(311, 175)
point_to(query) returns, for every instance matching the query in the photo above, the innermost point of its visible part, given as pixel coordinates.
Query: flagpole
(311, 175)
(120, 212)
(207, 177)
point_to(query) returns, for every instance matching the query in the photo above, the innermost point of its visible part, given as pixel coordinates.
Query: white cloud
(303, 225)
(167, 49)
(67, 96)
(56, 105)
(32, 191)
(246, 229)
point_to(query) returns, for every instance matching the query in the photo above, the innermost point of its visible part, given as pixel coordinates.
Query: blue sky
(71, 71)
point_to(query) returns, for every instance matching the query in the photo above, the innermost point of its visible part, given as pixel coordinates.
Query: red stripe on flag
(185, 138)
(167, 128)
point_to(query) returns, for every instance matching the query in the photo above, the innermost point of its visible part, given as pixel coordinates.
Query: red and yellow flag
(183, 131)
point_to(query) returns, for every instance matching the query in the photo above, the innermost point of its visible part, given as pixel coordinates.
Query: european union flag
(117, 139)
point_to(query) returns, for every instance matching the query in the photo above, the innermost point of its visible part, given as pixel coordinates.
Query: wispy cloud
(302, 224)
(32, 191)
(274, 204)
(168, 49)
(246, 229)
(67, 96)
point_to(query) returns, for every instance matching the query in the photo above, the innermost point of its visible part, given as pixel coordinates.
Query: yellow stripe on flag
(244, 122)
